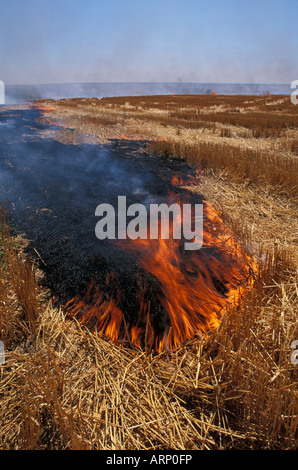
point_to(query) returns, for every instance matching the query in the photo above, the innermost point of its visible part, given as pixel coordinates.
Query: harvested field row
(240, 164)
(184, 116)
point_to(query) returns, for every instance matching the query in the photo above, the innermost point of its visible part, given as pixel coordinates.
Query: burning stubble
(151, 292)
(165, 221)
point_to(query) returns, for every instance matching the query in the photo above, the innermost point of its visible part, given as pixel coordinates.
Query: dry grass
(62, 387)
(239, 164)
(18, 285)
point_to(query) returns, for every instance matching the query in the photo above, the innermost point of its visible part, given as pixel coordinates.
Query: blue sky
(56, 41)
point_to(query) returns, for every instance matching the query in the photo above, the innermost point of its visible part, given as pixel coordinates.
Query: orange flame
(196, 288)
(45, 110)
(178, 180)
(42, 107)
(191, 297)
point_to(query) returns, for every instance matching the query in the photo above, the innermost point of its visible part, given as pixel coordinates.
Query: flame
(195, 287)
(191, 296)
(42, 107)
(45, 111)
(178, 180)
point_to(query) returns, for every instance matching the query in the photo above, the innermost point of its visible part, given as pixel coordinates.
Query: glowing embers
(193, 289)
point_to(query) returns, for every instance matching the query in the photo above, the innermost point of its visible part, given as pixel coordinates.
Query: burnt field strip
(53, 189)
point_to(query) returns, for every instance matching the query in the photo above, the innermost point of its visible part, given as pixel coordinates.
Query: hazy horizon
(20, 94)
(142, 81)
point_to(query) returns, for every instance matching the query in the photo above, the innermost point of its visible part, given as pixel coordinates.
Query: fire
(105, 315)
(43, 108)
(195, 288)
(178, 180)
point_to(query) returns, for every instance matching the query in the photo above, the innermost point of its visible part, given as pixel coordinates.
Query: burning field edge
(63, 387)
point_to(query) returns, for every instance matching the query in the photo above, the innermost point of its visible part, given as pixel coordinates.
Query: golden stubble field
(64, 388)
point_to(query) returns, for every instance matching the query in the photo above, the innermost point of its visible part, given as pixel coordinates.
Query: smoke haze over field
(129, 41)
(21, 94)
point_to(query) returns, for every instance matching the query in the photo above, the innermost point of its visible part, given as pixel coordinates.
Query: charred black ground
(54, 188)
